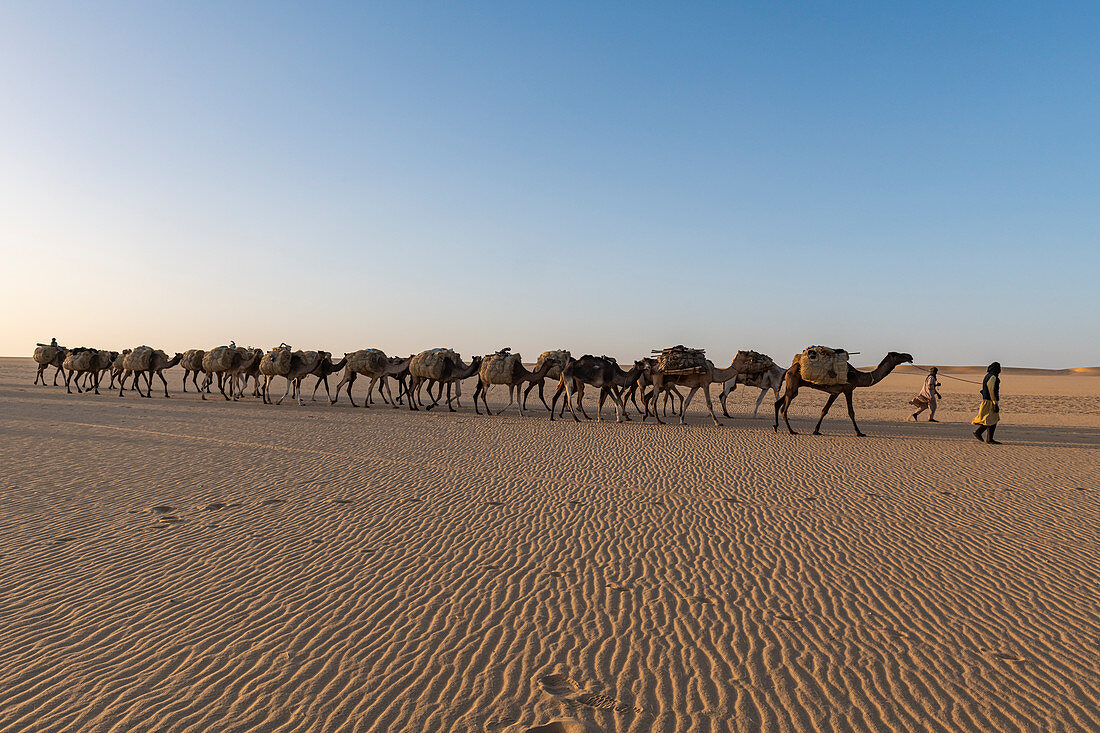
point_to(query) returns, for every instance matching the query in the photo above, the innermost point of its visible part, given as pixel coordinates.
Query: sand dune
(193, 566)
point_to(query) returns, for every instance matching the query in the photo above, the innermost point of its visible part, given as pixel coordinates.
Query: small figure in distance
(232, 344)
(989, 412)
(53, 342)
(926, 400)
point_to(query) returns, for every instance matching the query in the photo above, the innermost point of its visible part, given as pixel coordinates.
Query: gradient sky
(602, 177)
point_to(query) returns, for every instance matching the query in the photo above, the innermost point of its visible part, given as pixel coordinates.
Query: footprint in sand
(1006, 657)
(576, 502)
(784, 617)
(559, 726)
(413, 500)
(216, 506)
(946, 493)
(559, 684)
(494, 503)
(162, 509)
(63, 540)
(605, 702)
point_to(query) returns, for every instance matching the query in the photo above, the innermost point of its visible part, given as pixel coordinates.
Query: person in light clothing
(926, 400)
(989, 412)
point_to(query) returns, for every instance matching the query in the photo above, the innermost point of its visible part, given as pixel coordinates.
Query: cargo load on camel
(681, 360)
(498, 368)
(823, 365)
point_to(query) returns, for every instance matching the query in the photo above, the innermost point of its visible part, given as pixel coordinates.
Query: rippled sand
(196, 566)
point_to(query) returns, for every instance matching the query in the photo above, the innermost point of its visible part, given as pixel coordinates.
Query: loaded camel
(559, 358)
(597, 371)
(507, 369)
(192, 367)
(745, 362)
(48, 355)
(855, 378)
(227, 364)
(147, 361)
(372, 363)
(769, 379)
(86, 363)
(324, 368)
(437, 366)
(282, 362)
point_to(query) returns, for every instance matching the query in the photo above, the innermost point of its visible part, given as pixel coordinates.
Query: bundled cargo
(47, 354)
(498, 368)
(558, 358)
(219, 359)
(367, 361)
(823, 365)
(681, 360)
(81, 360)
(432, 364)
(140, 359)
(277, 361)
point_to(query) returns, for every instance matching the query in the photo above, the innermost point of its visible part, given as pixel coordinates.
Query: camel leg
(784, 404)
(39, 374)
(728, 387)
(59, 371)
(620, 407)
(458, 393)
(349, 379)
(165, 381)
(221, 385)
(658, 386)
(852, 414)
(568, 398)
(824, 410)
(710, 406)
(760, 399)
(599, 405)
(68, 379)
(289, 382)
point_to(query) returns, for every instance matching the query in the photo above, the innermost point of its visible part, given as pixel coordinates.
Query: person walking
(989, 412)
(926, 400)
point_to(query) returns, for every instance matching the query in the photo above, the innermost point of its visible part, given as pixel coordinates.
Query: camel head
(899, 358)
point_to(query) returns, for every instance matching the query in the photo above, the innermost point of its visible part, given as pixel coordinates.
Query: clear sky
(602, 177)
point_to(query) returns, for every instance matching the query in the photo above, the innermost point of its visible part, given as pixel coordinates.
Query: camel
(226, 364)
(558, 358)
(290, 365)
(745, 362)
(48, 355)
(252, 371)
(117, 368)
(86, 363)
(324, 368)
(513, 378)
(793, 380)
(139, 362)
(192, 367)
(372, 363)
(770, 379)
(448, 370)
(598, 371)
(645, 381)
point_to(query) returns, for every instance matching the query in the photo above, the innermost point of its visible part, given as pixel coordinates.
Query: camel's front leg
(824, 410)
(289, 382)
(165, 381)
(760, 399)
(729, 386)
(852, 413)
(710, 406)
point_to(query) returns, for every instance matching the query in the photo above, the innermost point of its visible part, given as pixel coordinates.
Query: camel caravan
(433, 377)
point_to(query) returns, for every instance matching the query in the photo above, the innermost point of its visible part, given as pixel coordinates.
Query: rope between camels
(960, 379)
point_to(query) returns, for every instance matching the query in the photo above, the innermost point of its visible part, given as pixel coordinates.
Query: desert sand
(179, 565)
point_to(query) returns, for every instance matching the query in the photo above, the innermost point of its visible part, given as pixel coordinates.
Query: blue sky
(607, 178)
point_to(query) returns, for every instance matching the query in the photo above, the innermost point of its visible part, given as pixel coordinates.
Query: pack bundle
(681, 360)
(192, 359)
(432, 364)
(140, 359)
(83, 360)
(498, 368)
(823, 365)
(46, 354)
(219, 359)
(367, 361)
(276, 362)
(758, 363)
(558, 358)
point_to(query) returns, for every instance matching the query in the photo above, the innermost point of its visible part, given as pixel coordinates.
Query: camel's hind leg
(784, 404)
(760, 399)
(852, 414)
(164, 381)
(824, 410)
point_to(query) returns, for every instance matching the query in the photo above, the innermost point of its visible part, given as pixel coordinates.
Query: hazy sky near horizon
(603, 177)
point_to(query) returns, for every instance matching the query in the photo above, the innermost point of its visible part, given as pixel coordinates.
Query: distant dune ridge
(174, 564)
